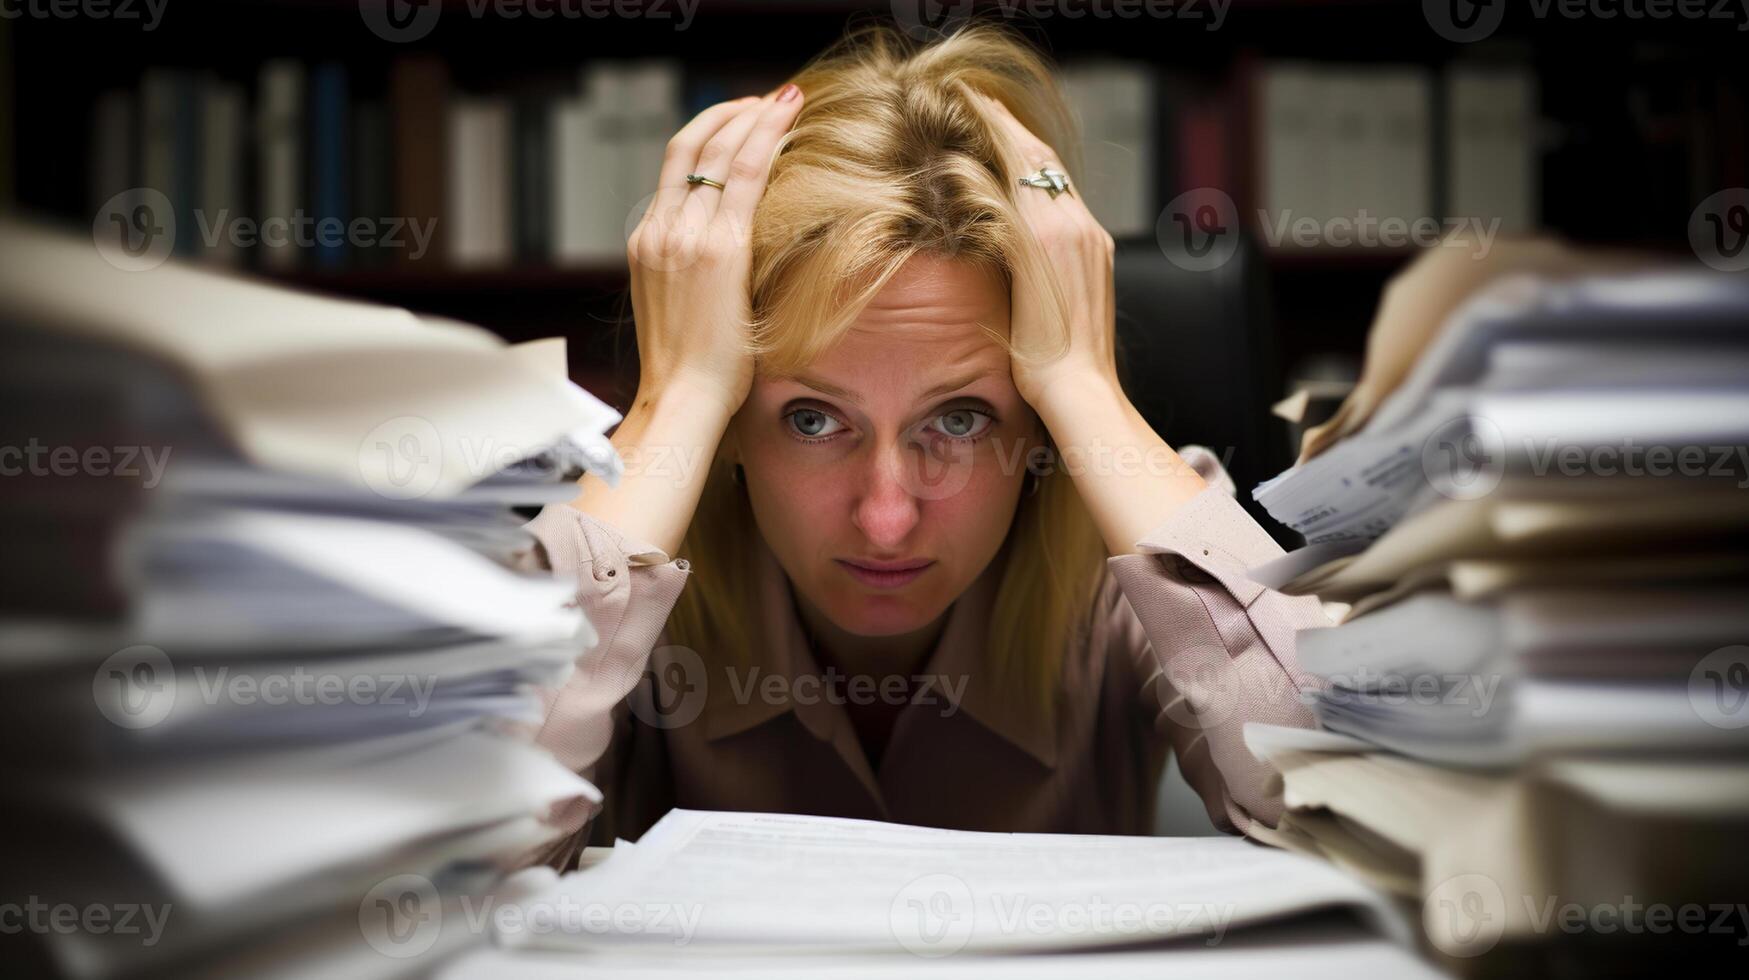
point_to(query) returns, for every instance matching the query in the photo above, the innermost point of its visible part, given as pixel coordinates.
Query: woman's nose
(886, 511)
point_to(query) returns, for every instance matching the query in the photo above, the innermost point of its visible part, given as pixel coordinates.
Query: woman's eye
(813, 424)
(961, 423)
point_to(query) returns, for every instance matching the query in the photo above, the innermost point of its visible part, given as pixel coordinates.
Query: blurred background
(487, 156)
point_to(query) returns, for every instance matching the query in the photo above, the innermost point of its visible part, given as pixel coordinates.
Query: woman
(931, 565)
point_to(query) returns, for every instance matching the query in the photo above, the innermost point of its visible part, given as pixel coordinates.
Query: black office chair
(1197, 354)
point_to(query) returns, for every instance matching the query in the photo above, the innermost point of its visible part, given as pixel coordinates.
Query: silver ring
(702, 179)
(1052, 182)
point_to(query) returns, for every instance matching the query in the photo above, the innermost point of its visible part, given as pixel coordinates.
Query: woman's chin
(883, 615)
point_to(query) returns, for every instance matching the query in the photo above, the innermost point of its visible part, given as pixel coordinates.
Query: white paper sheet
(760, 880)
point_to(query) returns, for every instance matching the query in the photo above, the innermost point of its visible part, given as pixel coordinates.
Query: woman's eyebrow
(953, 385)
(827, 388)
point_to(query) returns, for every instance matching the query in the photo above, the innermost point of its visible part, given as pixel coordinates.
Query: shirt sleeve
(627, 588)
(1217, 649)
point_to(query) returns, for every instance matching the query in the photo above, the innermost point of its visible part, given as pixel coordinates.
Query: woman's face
(884, 477)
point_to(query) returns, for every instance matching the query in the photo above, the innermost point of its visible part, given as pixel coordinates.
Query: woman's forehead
(934, 291)
(931, 324)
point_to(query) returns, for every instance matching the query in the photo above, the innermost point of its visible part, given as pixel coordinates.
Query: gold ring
(702, 179)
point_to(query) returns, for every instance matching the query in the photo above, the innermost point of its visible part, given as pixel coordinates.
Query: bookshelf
(1633, 121)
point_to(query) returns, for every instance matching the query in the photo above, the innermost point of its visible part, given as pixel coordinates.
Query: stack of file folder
(271, 668)
(1536, 704)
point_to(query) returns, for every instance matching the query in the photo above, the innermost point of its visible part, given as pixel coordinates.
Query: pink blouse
(1183, 651)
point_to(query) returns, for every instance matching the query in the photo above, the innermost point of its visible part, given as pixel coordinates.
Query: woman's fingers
(719, 152)
(751, 166)
(685, 146)
(1042, 208)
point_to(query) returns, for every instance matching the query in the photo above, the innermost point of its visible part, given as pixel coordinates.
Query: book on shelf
(556, 171)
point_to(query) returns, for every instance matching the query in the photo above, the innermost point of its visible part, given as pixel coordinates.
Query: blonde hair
(892, 156)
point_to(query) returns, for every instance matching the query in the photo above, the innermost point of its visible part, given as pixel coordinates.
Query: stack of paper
(1541, 540)
(793, 894)
(270, 667)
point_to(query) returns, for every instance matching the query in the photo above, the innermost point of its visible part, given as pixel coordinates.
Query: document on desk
(763, 881)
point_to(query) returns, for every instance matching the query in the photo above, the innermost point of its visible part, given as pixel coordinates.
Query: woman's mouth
(886, 574)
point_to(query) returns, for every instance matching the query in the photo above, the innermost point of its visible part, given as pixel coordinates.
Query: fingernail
(789, 93)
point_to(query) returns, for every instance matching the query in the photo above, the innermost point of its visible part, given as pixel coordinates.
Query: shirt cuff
(1211, 536)
(573, 541)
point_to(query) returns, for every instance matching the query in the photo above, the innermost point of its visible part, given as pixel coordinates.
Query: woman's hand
(1130, 479)
(691, 254)
(1079, 252)
(690, 259)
